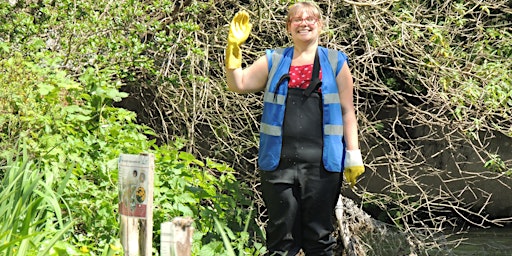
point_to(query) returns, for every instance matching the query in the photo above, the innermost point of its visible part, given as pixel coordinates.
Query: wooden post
(136, 203)
(176, 237)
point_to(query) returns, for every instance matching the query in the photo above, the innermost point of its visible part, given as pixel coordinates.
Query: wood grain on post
(176, 237)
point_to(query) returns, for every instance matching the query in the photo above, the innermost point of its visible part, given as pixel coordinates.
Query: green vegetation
(60, 143)
(31, 214)
(60, 138)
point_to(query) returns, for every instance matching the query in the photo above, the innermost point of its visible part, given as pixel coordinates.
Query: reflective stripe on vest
(274, 104)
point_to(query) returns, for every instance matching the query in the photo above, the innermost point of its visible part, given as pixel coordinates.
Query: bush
(71, 138)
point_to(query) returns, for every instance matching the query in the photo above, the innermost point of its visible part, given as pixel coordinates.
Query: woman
(308, 133)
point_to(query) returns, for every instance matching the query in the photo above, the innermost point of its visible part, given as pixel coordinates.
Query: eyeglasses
(308, 20)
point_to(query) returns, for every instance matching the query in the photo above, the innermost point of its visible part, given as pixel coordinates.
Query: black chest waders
(302, 124)
(300, 194)
(302, 128)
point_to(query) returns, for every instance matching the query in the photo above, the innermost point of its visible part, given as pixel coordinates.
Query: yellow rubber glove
(239, 31)
(353, 166)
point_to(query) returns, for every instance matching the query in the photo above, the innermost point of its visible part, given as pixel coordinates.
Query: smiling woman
(308, 133)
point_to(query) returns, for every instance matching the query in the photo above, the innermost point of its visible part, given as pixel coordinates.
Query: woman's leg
(281, 195)
(320, 190)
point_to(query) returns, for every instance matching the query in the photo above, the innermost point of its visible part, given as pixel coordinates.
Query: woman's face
(304, 27)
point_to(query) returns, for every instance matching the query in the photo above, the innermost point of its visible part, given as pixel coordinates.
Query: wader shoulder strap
(315, 81)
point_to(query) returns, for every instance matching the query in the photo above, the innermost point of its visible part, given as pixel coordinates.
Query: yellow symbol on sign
(140, 194)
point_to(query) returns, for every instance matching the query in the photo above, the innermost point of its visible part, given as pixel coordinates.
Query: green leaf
(227, 243)
(45, 89)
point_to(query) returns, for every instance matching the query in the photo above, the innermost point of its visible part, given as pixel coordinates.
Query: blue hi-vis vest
(274, 104)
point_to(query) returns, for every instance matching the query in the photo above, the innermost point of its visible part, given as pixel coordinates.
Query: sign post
(136, 175)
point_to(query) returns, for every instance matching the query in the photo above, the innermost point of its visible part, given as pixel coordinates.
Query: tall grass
(240, 243)
(30, 213)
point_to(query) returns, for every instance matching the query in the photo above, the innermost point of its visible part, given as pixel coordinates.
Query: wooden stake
(176, 237)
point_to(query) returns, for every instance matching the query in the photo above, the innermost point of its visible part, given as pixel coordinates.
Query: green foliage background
(83, 81)
(61, 67)
(61, 140)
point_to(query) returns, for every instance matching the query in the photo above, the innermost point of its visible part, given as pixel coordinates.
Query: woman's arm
(250, 79)
(346, 91)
